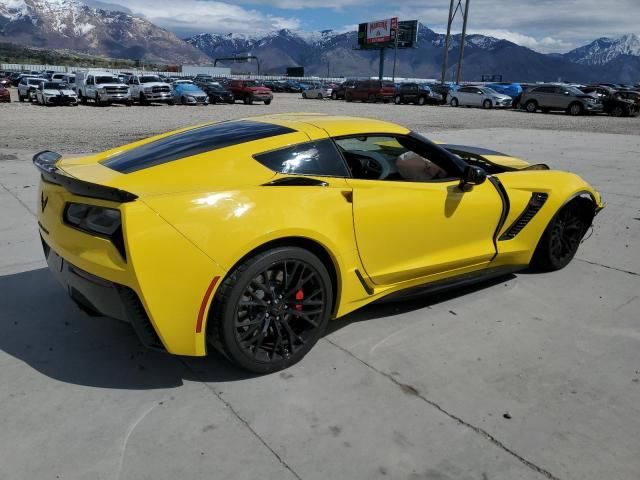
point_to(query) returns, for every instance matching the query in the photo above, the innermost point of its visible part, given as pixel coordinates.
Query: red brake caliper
(299, 296)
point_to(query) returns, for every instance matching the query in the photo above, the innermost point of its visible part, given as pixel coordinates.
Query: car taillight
(93, 219)
(96, 220)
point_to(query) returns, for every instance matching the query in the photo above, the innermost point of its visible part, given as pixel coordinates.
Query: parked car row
(105, 88)
(614, 100)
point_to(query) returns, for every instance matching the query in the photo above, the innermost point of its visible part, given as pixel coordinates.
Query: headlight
(93, 219)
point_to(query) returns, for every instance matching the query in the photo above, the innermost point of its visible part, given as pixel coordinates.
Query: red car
(249, 91)
(5, 95)
(371, 91)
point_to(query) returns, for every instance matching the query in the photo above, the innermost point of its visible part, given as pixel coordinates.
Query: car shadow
(42, 327)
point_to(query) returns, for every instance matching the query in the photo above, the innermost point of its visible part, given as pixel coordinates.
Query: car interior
(390, 158)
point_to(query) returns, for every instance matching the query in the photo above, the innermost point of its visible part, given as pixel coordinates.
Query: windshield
(489, 91)
(251, 83)
(101, 80)
(573, 91)
(149, 79)
(34, 81)
(71, 79)
(52, 85)
(188, 87)
(215, 86)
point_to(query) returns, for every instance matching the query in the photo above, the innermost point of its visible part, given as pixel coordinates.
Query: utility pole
(395, 55)
(446, 44)
(381, 68)
(464, 33)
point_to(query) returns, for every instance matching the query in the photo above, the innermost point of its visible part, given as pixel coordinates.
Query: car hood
(103, 85)
(51, 91)
(501, 96)
(259, 89)
(154, 84)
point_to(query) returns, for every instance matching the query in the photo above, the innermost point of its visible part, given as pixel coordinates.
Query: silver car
(319, 92)
(473, 96)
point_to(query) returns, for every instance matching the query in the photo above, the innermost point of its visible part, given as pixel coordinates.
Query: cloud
(188, 17)
(543, 25)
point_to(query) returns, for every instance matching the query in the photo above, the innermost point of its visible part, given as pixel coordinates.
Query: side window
(312, 158)
(391, 158)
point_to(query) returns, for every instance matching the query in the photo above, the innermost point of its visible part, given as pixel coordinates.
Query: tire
(267, 102)
(248, 100)
(397, 100)
(334, 96)
(183, 101)
(561, 239)
(83, 100)
(487, 104)
(422, 100)
(319, 97)
(304, 95)
(143, 99)
(348, 98)
(371, 98)
(20, 98)
(454, 102)
(258, 328)
(97, 100)
(575, 109)
(171, 102)
(617, 112)
(531, 106)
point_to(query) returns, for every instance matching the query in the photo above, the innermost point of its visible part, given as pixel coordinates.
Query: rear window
(192, 142)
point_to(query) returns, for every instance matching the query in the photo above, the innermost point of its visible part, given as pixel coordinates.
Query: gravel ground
(89, 128)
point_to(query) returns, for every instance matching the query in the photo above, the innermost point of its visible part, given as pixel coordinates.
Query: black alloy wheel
(617, 112)
(422, 100)
(531, 106)
(561, 239)
(272, 309)
(371, 98)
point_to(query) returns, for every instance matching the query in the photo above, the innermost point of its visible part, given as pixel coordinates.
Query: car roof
(333, 125)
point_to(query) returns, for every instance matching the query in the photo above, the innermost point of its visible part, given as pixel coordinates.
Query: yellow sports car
(249, 235)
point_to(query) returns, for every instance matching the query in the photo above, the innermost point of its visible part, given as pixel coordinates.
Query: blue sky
(544, 25)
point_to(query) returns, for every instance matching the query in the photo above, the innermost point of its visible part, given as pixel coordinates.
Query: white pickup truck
(149, 88)
(103, 88)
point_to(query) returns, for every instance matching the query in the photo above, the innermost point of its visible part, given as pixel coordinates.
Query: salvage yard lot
(532, 376)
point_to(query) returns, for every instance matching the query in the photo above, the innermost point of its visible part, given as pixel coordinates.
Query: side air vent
(139, 319)
(535, 204)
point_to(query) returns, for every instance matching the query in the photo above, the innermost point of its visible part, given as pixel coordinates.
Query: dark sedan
(217, 93)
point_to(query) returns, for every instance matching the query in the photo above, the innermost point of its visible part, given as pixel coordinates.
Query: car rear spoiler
(45, 162)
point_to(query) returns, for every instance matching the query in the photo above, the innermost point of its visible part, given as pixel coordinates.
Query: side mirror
(472, 176)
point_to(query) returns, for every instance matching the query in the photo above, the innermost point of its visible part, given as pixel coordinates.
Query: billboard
(382, 34)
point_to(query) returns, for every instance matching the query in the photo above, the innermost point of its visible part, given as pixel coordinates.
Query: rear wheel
(562, 237)
(304, 94)
(617, 112)
(397, 100)
(454, 102)
(248, 100)
(371, 98)
(272, 309)
(422, 100)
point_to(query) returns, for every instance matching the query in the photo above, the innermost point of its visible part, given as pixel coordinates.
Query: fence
(59, 68)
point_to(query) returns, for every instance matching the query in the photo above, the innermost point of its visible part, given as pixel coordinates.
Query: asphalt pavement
(530, 376)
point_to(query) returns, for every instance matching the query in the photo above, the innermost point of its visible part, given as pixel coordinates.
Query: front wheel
(397, 100)
(267, 102)
(575, 109)
(272, 309)
(617, 112)
(531, 106)
(371, 98)
(562, 237)
(248, 100)
(487, 104)
(422, 100)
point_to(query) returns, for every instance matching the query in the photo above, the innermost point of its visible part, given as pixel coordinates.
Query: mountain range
(89, 27)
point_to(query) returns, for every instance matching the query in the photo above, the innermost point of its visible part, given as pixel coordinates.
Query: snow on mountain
(71, 24)
(604, 50)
